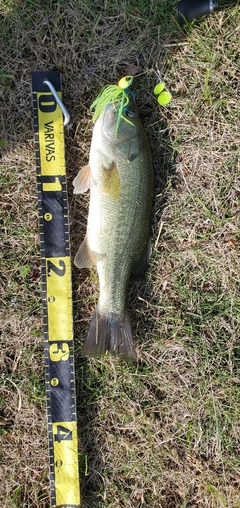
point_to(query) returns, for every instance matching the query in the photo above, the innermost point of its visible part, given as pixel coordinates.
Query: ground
(164, 433)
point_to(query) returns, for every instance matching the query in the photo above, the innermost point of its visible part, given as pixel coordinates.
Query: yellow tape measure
(56, 292)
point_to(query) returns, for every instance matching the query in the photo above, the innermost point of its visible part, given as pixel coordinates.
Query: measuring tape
(56, 290)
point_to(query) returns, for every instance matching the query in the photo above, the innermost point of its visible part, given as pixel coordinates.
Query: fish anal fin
(111, 181)
(141, 266)
(111, 334)
(83, 180)
(84, 257)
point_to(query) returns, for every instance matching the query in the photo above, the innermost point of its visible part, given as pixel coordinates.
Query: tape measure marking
(56, 292)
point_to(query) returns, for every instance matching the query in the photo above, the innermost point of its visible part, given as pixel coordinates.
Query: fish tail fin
(109, 333)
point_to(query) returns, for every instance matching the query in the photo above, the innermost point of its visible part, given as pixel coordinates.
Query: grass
(163, 434)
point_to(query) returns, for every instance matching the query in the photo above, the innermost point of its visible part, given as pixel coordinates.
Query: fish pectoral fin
(132, 155)
(84, 257)
(140, 267)
(83, 180)
(133, 150)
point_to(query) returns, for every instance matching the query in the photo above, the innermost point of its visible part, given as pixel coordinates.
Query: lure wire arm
(58, 100)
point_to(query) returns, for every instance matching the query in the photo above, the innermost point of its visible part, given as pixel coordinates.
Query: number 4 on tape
(56, 289)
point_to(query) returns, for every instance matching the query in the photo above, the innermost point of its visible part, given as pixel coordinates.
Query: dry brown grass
(164, 434)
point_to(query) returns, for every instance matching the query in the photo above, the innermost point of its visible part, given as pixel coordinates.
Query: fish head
(118, 127)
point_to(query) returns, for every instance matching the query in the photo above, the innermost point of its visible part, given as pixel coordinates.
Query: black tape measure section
(53, 223)
(62, 407)
(38, 78)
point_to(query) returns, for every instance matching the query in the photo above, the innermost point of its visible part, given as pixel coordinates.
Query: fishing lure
(164, 97)
(116, 95)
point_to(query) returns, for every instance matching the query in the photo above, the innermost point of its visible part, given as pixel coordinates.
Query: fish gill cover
(116, 95)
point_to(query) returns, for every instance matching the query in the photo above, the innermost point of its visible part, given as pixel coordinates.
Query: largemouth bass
(120, 178)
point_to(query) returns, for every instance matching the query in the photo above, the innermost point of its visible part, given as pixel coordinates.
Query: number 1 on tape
(56, 292)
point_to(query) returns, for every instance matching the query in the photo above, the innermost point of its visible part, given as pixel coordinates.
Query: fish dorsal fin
(83, 180)
(111, 181)
(84, 257)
